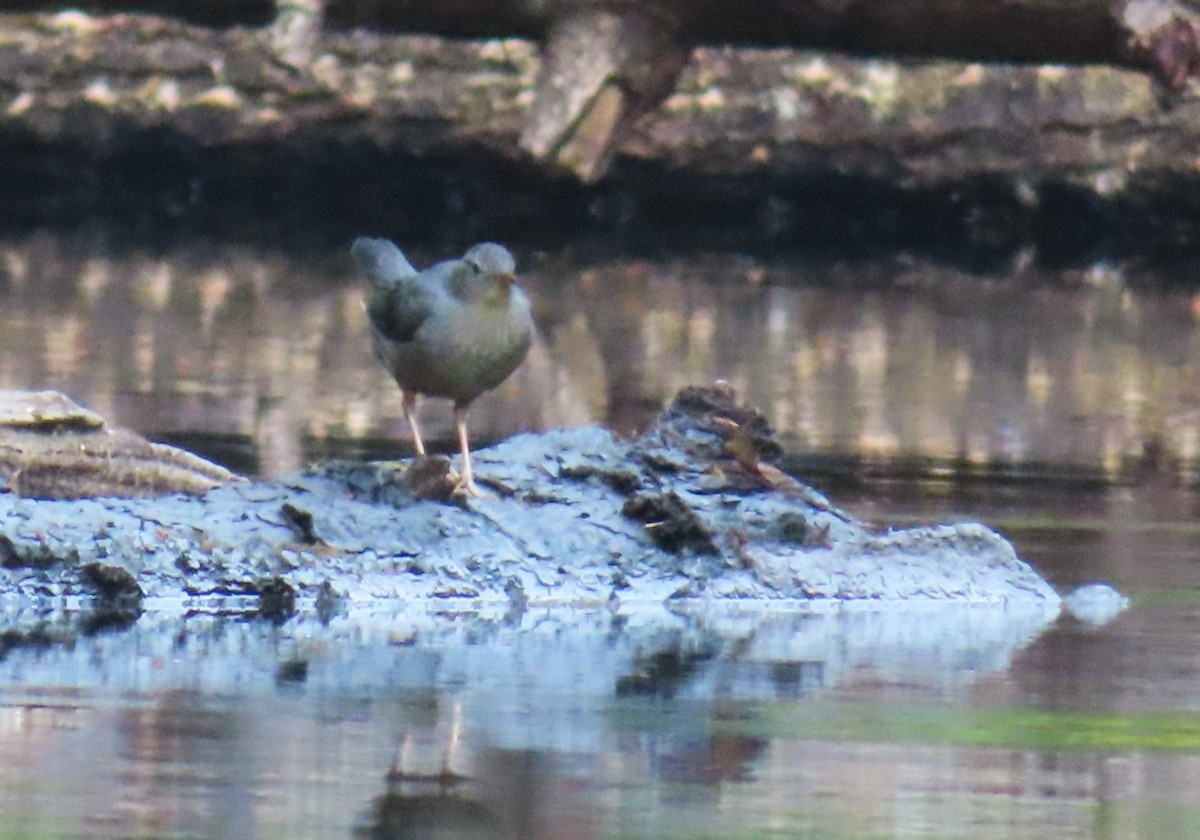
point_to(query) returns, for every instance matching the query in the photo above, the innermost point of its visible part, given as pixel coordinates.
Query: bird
(452, 331)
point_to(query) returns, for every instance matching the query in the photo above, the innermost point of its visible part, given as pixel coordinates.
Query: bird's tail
(380, 260)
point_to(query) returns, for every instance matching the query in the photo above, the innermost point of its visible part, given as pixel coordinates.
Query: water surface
(1059, 405)
(264, 360)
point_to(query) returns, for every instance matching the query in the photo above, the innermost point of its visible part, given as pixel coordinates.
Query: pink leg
(410, 414)
(466, 483)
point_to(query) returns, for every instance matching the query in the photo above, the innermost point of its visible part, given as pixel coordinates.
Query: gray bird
(452, 331)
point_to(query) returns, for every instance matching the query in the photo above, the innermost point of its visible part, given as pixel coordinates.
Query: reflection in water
(418, 816)
(512, 795)
(478, 728)
(189, 740)
(878, 359)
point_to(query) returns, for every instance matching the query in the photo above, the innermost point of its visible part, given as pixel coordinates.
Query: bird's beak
(506, 280)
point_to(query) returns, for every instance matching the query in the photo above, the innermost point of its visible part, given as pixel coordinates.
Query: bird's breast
(461, 351)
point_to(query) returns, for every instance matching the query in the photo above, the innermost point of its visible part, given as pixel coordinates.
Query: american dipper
(453, 331)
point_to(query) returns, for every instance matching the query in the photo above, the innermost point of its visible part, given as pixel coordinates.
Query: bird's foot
(466, 488)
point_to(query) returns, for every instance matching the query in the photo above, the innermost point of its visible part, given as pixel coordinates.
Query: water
(263, 359)
(1057, 405)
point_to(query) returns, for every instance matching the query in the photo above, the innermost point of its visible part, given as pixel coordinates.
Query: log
(1057, 31)
(52, 448)
(98, 86)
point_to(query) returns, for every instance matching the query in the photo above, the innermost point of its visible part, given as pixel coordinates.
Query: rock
(729, 651)
(45, 412)
(690, 513)
(110, 583)
(1096, 604)
(118, 598)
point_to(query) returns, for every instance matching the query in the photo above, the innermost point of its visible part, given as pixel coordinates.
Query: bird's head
(487, 259)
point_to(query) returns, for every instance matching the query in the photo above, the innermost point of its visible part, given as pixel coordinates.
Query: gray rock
(1096, 603)
(692, 512)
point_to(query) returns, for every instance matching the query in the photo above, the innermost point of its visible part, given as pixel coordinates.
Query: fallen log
(52, 448)
(632, 89)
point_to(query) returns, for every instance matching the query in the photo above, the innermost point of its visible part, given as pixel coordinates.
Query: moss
(1017, 728)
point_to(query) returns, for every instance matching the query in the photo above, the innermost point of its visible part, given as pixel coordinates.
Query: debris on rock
(624, 481)
(302, 522)
(670, 523)
(713, 425)
(39, 638)
(118, 597)
(33, 555)
(276, 599)
(292, 671)
(662, 673)
(110, 583)
(429, 477)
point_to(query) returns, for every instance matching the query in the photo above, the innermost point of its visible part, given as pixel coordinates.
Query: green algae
(1014, 728)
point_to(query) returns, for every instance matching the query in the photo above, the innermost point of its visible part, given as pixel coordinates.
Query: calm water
(1060, 406)
(264, 360)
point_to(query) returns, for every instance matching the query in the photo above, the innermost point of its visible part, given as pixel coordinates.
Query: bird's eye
(474, 266)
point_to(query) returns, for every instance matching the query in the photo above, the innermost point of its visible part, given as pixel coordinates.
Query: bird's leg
(409, 403)
(466, 481)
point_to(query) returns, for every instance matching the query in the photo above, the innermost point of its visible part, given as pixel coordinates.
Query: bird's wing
(400, 299)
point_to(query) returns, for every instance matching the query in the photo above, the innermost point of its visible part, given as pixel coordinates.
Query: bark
(1094, 31)
(52, 448)
(98, 84)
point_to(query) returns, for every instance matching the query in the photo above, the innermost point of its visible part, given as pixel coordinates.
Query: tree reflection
(883, 359)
